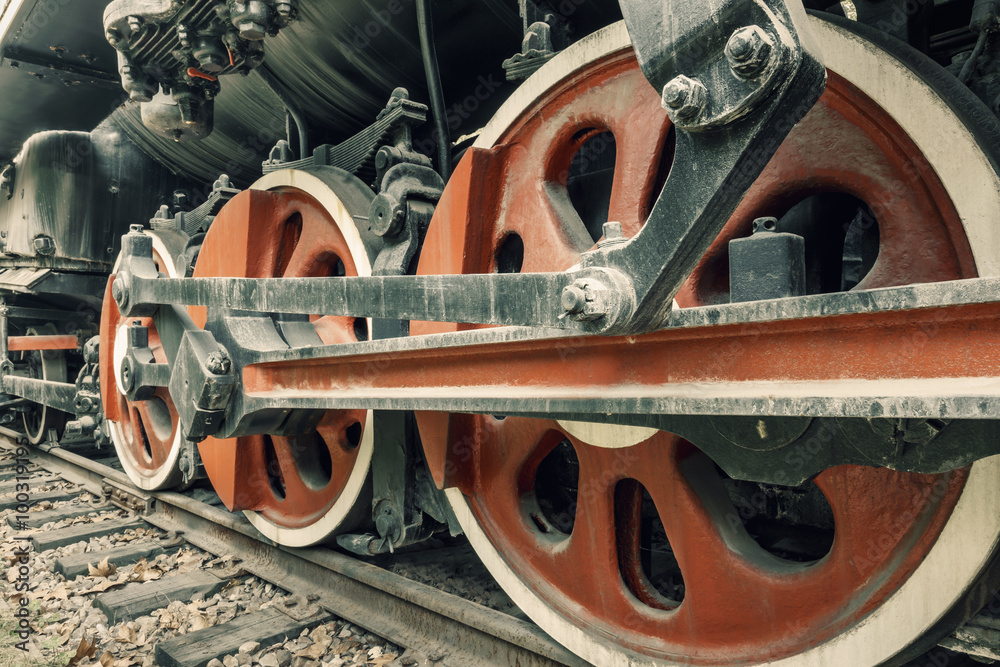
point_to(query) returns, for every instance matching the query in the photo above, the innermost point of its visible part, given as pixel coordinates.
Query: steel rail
(418, 617)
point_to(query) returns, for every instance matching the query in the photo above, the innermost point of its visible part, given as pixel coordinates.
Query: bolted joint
(218, 363)
(749, 51)
(387, 215)
(585, 299)
(211, 55)
(684, 97)
(119, 292)
(200, 394)
(127, 375)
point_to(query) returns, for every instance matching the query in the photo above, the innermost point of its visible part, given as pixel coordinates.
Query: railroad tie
(9, 473)
(12, 502)
(266, 627)
(81, 533)
(75, 565)
(39, 519)
(10, 486)
(140, 599)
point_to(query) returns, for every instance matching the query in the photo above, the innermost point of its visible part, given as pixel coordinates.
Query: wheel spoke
(642, 147)
(296, 491)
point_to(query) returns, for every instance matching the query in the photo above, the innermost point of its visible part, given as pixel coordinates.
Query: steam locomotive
(684, 313)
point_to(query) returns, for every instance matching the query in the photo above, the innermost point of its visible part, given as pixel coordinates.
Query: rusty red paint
(273, 234)
(149, 428)
(740, 605)
(50, 342)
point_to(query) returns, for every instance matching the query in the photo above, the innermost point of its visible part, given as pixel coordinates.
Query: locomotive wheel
(908, 551)
(296, 490)
(44, 365)
(145, 433)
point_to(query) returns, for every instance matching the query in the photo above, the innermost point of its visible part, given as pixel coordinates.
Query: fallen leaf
(105, 585)
(384, 659)
(103, 569)
(344, 647)
(199, 622)
(86, 649)
(107, 659)
(126, 634)
(58, 594)
(313, 652)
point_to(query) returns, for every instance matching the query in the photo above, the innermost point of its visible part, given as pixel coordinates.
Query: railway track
(313, 590)
(359, 609)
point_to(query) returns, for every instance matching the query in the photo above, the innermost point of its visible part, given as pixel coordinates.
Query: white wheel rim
(972, 532)
(327, 525)
(168, 474)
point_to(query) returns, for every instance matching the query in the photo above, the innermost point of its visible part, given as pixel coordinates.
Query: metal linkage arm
(735, 78)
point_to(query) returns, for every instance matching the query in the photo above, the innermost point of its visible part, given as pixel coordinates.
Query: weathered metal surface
(304, 479)
(59, 395)
(106, 184)
(52, 51)
(591, 576)
(146, 433)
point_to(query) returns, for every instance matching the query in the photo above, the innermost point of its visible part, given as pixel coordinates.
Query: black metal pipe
(293, 110)
(429, 55)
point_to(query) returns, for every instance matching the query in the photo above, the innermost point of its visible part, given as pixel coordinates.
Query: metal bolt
(251, 31)
(749, 51)
(218, 363)
(44, 245)
(612, 235)
(134, 23)
(118, 292)
(126, 375)
(684, 97)
(135, 229)
(574, 298)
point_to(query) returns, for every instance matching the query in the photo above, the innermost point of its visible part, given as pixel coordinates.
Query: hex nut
(251, 31)
(749, 51)
(684, 97)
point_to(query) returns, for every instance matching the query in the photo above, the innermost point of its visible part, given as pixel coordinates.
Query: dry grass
(12, 656)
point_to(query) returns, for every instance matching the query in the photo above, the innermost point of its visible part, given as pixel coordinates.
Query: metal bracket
(140, 374)
(198, 219)
(128, 497)
(201, 381)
